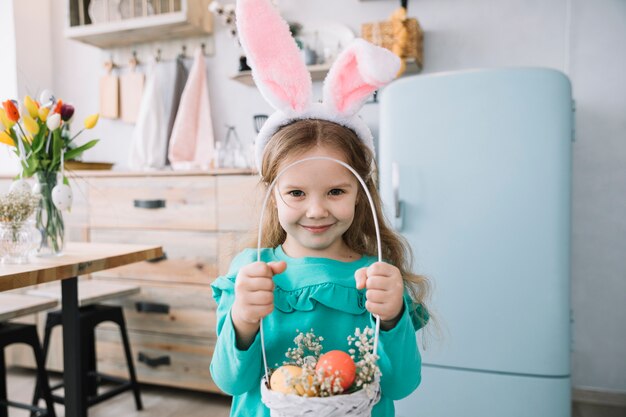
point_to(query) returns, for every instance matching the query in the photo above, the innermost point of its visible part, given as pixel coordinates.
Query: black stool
(11, 306)
(90, 317)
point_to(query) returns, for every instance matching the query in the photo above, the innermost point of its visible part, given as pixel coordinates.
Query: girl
(317, 270)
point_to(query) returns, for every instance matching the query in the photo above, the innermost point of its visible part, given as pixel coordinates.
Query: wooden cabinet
(198, 219)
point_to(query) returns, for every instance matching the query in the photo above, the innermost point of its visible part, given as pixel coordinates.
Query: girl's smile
(317, 229)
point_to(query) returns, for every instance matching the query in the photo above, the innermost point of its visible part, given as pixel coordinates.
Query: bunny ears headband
(284, 81)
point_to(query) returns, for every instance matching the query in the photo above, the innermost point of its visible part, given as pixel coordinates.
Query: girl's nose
(316, 209)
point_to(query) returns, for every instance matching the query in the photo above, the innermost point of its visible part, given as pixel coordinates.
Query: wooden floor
(157, 401)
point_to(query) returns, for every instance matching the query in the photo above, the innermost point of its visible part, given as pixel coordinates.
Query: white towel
(149, 141)
(192, 145)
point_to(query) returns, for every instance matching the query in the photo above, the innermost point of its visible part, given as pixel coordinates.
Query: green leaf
(57, 143)
(76, 152)
(30, 170)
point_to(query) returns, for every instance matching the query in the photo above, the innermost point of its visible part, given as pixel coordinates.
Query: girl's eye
(296, 193)
(336, 191)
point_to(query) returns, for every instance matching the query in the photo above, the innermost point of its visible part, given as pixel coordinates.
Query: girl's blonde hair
(303, 135)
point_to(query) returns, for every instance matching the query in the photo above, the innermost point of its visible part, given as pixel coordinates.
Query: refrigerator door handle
(398, 205)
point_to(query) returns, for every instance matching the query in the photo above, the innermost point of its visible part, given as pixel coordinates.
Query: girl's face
(316, 201)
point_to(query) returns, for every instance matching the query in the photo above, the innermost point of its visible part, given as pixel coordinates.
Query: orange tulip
(57, 108)
(12, 113)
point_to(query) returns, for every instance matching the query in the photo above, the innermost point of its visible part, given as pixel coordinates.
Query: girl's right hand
(254, 294)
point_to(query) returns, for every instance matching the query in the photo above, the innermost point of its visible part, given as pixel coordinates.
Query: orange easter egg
(282, 380)
(338, 363)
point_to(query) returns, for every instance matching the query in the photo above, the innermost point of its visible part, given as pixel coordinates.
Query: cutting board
(131, 90)
(109, 96)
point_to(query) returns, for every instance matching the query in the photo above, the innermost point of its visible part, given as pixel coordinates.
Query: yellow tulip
(6, 139)
(8, 123)
(31, 125)
(90, 121)
(43, 113)
(31, 106)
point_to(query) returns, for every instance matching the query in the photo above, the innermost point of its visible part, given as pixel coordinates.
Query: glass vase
(18, 241)
(48, 217)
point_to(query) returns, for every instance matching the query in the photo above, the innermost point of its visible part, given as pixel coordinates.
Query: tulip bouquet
(39, 134)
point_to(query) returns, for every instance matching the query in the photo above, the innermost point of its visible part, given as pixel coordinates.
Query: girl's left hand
(385, 291)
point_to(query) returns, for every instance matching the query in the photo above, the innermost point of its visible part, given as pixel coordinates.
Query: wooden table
(77, 259)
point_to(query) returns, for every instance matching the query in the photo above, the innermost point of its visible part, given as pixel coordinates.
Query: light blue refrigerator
(476, 172)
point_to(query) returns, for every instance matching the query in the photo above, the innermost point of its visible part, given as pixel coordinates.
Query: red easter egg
(338, 363)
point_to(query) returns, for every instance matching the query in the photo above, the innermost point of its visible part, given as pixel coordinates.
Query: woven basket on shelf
(381, 34)
(357, 404)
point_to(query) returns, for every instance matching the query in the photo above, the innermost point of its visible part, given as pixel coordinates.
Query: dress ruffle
(329, 294)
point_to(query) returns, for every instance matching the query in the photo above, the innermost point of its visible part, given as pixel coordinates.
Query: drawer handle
(158, 259)
(147, 307)
(149, 204)
(154, 362)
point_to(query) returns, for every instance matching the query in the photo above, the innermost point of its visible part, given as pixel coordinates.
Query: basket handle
(378, 245)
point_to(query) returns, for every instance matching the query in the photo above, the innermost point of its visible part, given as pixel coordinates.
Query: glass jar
(18, 241)
(48, 217)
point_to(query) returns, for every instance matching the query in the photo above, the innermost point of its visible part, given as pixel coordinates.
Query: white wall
(598, 73)
(461, 35)
(8, 75)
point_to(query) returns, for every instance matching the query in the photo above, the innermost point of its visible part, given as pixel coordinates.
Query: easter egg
(339, 364)
(62, 196)
(285, 380)
(20, 186)
(36, 190)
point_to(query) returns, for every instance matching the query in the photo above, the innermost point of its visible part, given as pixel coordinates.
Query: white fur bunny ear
(272, 53)
(359, 70)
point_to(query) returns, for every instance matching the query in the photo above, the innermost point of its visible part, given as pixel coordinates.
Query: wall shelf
(318, 72)
(192, 18)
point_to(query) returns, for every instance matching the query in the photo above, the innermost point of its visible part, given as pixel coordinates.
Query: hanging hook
(203, 48)
(183, 52)
(157, 56)
(133, 62)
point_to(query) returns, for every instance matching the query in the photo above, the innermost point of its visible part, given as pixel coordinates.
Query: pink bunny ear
(360, 69)
(272, 53)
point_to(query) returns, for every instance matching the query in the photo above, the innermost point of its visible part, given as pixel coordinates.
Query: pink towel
(192, 145)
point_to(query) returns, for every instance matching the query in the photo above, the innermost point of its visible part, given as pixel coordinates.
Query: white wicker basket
(358, 403)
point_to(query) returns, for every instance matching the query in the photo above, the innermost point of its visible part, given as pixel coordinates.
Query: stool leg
(42, 376)
(46, 345)
(90, 364)
(131, 366)
(4, 409)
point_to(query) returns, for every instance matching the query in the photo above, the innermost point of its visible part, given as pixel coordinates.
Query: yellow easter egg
(285, 380)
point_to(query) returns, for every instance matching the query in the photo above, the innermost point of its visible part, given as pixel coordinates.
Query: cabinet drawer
(171, 361)
(172, 310)
(178, 203)
(191, 257)
(239, 198)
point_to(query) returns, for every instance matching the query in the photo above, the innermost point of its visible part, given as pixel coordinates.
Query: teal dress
(318, 294)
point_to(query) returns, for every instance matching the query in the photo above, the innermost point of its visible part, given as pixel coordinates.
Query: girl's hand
(385, 291)
(254, 298)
